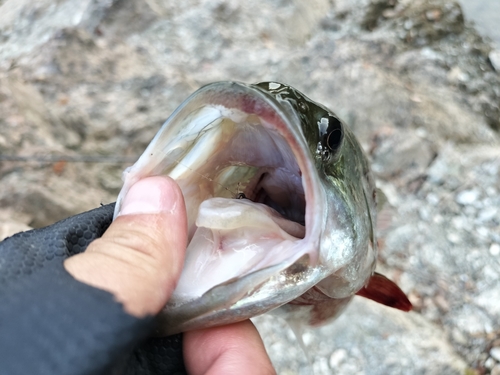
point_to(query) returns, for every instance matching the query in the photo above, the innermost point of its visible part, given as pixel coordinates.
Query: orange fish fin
(382, 290)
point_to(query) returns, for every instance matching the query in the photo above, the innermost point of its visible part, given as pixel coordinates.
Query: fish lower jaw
(235, 237)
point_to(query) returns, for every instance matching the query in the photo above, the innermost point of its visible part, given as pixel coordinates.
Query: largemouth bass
(281, 207)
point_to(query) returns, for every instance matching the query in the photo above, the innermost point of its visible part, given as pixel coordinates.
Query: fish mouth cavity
(242, 159)
(249, 184)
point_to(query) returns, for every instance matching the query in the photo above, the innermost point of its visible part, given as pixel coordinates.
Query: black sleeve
(51, 323)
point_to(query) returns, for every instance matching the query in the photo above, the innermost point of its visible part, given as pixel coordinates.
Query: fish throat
(246, 160)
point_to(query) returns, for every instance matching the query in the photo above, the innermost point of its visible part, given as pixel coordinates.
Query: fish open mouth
(251, 190)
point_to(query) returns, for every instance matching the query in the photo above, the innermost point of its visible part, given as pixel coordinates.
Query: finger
(140, 257)
(232, 349)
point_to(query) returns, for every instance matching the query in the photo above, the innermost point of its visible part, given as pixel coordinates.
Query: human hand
(140, 256)
(67, 327)
(139, 259)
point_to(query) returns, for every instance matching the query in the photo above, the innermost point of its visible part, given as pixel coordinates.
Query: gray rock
(350, 344)
(12, 222)
(495, 353)
(494, 57)
(413, 79)
(494, 249)
(467, 197)
(402, 153)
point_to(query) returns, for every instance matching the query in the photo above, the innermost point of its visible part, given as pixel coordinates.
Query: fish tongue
(234, 237)
(222, 213)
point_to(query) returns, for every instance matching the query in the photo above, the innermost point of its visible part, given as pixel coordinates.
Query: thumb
(140, 256)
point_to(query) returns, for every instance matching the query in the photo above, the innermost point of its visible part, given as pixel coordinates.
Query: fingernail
(151, 195)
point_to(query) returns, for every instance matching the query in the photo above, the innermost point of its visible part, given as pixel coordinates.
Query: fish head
(347, 245)
(279, 199)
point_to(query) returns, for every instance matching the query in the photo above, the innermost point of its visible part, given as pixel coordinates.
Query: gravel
(419, 86)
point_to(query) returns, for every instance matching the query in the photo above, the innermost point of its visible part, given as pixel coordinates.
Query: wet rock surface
(416, 82)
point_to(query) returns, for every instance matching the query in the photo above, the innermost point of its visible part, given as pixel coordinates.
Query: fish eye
(331, 134)
(333, 139)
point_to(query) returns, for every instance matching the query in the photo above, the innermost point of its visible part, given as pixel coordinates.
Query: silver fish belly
(281, 207)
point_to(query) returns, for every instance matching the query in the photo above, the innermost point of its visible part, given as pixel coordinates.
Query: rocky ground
(84, 86)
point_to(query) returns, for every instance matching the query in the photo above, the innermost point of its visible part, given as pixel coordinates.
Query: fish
(281, 207)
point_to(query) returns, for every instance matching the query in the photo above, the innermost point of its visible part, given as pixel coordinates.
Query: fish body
(281, 207)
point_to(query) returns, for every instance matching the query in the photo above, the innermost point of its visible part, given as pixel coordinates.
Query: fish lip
(279, 116)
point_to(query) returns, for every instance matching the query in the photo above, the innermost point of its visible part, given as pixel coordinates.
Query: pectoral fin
(382, 290)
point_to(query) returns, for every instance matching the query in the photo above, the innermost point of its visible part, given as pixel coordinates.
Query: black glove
(51, 323)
